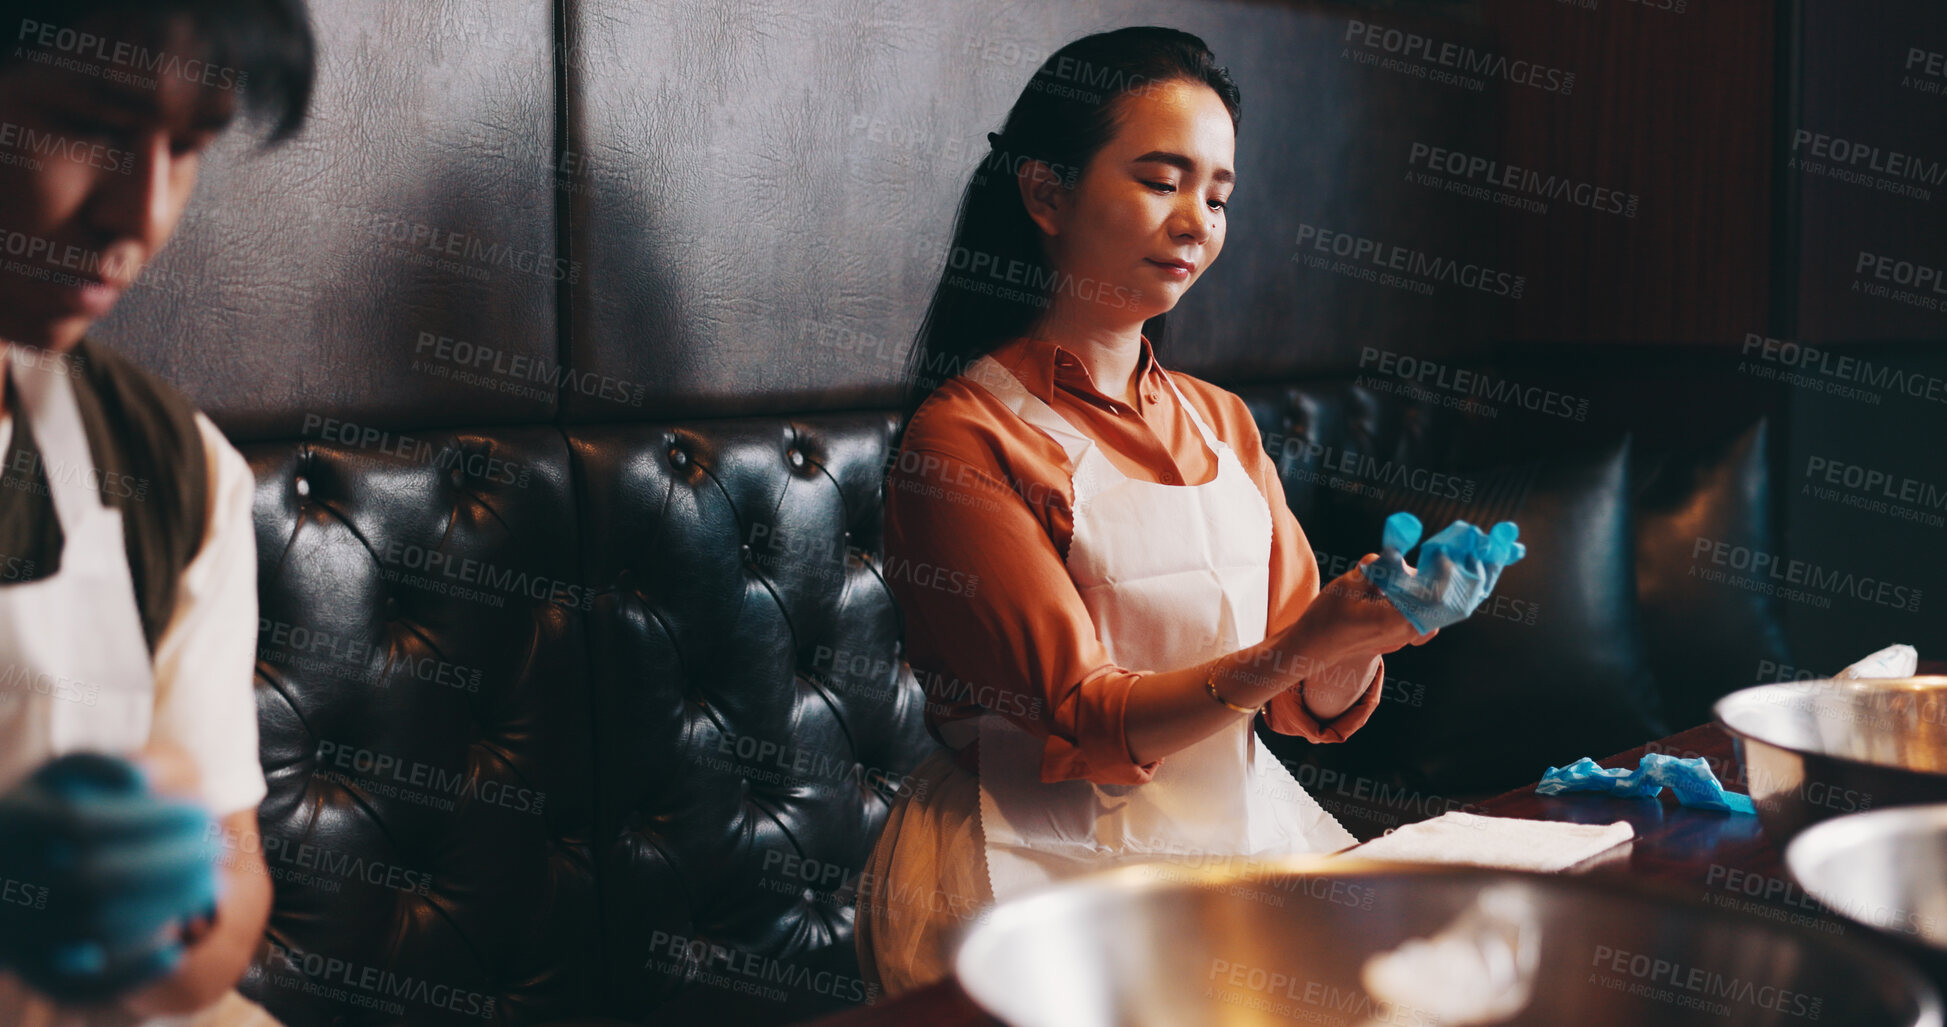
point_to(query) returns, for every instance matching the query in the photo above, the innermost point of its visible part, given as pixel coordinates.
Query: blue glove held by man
(100, 874)
(1456, 570)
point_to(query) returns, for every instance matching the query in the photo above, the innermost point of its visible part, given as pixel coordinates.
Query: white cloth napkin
(1894, 661)
(1504, 842)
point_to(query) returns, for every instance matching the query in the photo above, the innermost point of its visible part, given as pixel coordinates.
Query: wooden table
(1722, 858)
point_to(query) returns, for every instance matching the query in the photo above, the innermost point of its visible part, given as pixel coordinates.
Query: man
(132, 889)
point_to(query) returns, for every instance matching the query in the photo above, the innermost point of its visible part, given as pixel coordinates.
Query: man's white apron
(75, 672)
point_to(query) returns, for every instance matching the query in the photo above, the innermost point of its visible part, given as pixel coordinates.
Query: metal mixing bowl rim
(1933, 681)
(1829, 838)
(1141, 879)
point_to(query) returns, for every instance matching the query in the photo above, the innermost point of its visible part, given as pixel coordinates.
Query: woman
(1113, 588)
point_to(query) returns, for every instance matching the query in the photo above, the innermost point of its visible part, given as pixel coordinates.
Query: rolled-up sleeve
(992, 616)
(1294, 584)
(1286, 713)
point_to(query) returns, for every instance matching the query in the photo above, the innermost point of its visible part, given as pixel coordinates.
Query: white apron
(1173, 575)
(75, 672)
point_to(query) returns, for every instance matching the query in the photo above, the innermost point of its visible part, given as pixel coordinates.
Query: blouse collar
(1042, 365)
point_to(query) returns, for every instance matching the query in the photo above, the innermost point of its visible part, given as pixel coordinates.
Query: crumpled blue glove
(1692, 781)
(100, 872)
(1585, 776)
(1457, 568)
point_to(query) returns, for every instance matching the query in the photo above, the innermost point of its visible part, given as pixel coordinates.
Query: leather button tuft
(1169, 478)
(678, 457)
(456, 476)
(302, 485)
(795, 456)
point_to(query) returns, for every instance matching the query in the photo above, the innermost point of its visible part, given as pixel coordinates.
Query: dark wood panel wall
(1660, 230)
(1867, 157)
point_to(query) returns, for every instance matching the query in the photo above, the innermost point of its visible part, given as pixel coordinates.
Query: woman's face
(1147, 217)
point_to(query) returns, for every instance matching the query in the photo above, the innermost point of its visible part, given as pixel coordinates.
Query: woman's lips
(1174, 270)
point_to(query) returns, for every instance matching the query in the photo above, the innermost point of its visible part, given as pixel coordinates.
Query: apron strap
(1209, 436)
(1006, 387)
(48, 405)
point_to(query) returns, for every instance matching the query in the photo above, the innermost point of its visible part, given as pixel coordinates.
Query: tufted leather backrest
(754, 718)
(423, 701)
(594, 724)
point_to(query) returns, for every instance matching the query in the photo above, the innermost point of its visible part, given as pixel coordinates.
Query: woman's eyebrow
(1188, 166)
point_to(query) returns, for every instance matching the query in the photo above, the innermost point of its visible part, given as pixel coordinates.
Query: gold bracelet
(1210, 685)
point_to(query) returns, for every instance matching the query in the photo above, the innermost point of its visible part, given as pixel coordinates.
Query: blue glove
(100, 874)
(1457, 569)
(1693, 783)
(1690, 779)
(1585, 776)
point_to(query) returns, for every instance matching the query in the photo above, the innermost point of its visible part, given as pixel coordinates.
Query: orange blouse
(977, 530)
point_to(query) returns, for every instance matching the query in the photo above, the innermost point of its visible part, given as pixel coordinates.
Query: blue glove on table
(1585, 776)
(1457, 569)
(1690, 779)
(100, 872)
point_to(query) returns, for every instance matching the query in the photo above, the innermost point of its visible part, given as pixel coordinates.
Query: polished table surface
(1722, 858)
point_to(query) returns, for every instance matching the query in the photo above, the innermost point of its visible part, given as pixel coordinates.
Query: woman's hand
(1351, 618)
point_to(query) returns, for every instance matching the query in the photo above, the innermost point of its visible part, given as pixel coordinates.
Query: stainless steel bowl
(1886, 869)
(1160, 945)
(1813, 750)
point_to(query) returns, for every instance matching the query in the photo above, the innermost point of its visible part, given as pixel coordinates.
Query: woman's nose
(1191, 221)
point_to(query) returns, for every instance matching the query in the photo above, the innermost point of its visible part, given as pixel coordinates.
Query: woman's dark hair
(1067, 113)
(261, 48)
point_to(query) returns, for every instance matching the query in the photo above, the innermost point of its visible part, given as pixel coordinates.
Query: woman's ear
(1043, 194)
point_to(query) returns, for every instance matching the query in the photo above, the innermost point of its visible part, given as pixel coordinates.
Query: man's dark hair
(262, 48)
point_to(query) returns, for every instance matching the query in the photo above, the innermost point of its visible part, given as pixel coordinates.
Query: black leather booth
(603, 720)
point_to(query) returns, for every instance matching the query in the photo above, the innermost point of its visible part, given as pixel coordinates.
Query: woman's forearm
(1172, 710)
